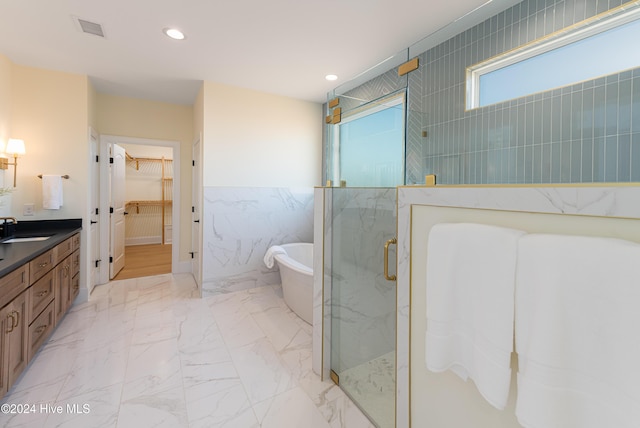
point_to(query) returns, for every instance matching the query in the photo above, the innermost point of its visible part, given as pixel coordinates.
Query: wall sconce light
(14, 148)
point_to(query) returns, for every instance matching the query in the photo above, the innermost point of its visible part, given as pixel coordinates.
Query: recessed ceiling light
(174, 33)
(331, 77)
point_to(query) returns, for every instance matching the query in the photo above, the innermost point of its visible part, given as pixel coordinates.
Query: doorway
(150, 203)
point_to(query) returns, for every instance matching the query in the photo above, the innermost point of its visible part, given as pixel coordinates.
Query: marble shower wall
(240, 224)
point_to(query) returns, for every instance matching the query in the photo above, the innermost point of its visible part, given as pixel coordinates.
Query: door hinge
(110, 160)
(98, 263)
(110, 210)
(97, 211)
(193, 163)
(192, 254)
(97, 158)
(193, 209)
(110, 259)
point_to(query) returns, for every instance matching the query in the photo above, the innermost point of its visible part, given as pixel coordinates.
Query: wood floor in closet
(145, 260)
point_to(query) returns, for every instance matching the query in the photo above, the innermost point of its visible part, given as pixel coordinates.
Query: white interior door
(196, 198)
(94, 227)
(117, 194)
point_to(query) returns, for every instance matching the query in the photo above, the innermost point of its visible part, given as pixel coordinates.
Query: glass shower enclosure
(365, 161)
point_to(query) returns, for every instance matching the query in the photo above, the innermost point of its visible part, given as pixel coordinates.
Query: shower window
(368, 148)
(592, 49)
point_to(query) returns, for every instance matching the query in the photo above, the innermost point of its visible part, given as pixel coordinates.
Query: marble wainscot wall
(240, 224)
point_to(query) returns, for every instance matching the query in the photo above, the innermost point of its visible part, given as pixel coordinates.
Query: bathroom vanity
(39, 280)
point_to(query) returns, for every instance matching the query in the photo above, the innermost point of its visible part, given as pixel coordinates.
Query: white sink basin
(29, 239)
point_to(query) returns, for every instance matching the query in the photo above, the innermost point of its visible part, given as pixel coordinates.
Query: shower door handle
(392, 241)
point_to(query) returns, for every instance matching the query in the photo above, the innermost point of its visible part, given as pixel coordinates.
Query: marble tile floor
(147, 352)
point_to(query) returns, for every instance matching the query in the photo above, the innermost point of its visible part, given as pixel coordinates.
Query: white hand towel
(270, 254)
(51, 192)
(577, 318)
(470, 292)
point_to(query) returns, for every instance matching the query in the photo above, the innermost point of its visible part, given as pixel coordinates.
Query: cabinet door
(5, 324)
(74, 290)
(16, 338)
(63, 283)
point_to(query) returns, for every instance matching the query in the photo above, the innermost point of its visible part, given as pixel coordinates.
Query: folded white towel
(270, 254)
(51, 192)
(577, 317)
(470, 292)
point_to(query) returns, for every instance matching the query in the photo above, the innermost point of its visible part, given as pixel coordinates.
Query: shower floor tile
(372, 385)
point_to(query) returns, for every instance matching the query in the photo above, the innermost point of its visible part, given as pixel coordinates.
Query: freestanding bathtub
(296, 273)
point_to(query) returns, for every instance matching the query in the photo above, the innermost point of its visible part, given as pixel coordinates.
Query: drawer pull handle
(41, 328)
(41, 265)
(43, 293)
(17, 318)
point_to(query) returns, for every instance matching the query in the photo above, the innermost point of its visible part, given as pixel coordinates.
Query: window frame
(590, 27)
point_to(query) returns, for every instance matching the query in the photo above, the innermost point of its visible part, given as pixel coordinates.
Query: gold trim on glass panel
(408, 66)
(335, 378)
(322, 321)
(327, 119)
(525, 185)
(334, 102)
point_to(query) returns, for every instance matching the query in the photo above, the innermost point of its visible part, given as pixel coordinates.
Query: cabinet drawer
(41, 265)
(40, 329)
(76, 241)
(14, 283)
(75, 263)
(40, 295)
(63, 249)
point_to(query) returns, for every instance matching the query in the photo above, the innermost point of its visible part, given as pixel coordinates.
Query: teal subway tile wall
(586, 132)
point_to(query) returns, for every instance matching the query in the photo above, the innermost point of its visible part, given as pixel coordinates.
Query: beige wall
(256, 139)
(5, 113)
(131, 117)
(49, 112)
(92, 99)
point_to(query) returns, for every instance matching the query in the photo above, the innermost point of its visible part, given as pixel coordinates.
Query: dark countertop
(16, 254)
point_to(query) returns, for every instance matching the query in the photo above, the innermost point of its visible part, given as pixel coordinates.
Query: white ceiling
(283, 47)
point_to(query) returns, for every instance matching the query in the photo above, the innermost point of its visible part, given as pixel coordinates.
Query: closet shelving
(166, 201)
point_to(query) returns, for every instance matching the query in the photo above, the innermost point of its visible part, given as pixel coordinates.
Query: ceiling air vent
(90, 27)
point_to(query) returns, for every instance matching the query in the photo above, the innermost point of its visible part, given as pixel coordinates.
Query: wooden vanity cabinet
(13, 341)
(13, 324)
(75, 269)
(63, 284)
(41, 265)
(33, 299)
